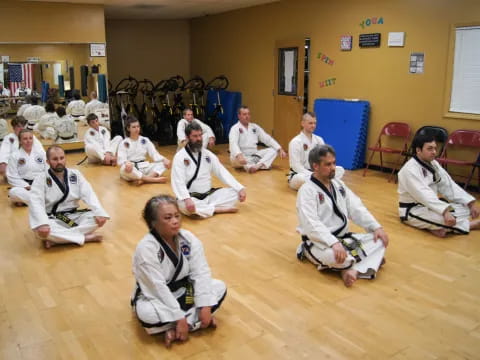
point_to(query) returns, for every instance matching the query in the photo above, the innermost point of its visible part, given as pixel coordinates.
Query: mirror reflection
(54, 86)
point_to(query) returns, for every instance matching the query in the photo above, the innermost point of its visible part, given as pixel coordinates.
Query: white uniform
(207, 132)
(170, 287)
(46, 125)
(23, 92)
(298, 151)
(97, 143)
(136, 151)
(33, 114)
(65, 128)
(46, 206)
(22, 169)
(22, 109)
(5, 92)
(419, 184)
(206, 199)
(244, 141)
(322, 224)
(93, 105)
(10, 144)
(76, 108)
(3, 128)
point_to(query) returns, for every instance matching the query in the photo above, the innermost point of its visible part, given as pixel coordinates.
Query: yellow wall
(241, 45)
(148, 49)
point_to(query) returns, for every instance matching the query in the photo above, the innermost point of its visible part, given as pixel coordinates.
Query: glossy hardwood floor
(73, 302)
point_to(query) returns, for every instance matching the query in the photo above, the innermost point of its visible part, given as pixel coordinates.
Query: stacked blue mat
(344, 125)
(231, 102)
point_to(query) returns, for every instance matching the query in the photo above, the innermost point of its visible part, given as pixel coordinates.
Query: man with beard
(420, 181)
(54, 214)
(192, 181)
(324, 205)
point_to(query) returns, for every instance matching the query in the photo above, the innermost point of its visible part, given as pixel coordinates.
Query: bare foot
(440, 232)
(225, 211)
(213, 323)
(114, 162)
(48, 244)
(475, 224)
(93, 237)
(138, 182)
(252, 169)
(169, 337)
(349, 277)
(160, 179)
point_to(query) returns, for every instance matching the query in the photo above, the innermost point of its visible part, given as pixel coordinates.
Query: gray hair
(319, 152)
(150, 211)
(193, 126)
(308, 115)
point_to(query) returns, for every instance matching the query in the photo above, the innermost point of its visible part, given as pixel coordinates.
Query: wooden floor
(73, 302)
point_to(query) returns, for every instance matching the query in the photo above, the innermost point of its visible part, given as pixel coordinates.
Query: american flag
(19, 73)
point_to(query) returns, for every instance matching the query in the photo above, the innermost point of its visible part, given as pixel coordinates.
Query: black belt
(67, 138)
(408, 207)
(28, 181)
(135, 163)
(201, 196)
(351, 248)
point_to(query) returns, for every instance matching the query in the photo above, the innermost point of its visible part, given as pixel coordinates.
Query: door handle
(299, 98)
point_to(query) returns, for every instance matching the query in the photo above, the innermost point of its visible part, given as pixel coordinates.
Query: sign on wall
(97, 50)
(369, 40)
(417, 63)
(346, 43)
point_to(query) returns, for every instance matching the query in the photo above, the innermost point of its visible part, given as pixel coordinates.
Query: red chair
(397, 129)
(464, 138)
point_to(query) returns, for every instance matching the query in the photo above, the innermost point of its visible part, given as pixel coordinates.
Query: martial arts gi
(244, 140)
(298, 151)
(55, 203)
(207, 132)
(323, 221)
(136, 152)
(23, 92)
(92, 105)
(419, 184)
(76, 108)
(191, 178)
(3, 129)
(66, 129)
(22, 169)
(22, 109)
(5, 92)
(46, 126)
(97, 143)
(33, 114)
(10, 144)
(170, 287)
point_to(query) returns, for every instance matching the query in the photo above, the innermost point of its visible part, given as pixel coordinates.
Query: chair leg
(381, 162)
(368, 162)
(395, 168)
(471, 177)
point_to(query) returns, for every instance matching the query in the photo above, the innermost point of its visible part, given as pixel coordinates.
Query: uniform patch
(185, 249)
(241, 130)
(39, 160)
(104, 131)
(49, 182)
(126, 144)
(161, 255)
(207, 158)
(342, 191)
(254, 130)
(321, 197)
(424, 172)
(11, 140)
(143, 141)
(92, 132)
(21, 161)
(305, 147)
(186, 162)
(73, 179)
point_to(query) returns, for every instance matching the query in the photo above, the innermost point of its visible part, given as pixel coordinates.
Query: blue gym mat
(231, 101)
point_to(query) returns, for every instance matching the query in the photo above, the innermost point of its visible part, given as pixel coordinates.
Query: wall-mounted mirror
(66, 68)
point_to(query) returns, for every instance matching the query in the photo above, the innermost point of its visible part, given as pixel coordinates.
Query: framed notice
(97, 50)
(417, 63)
(346, 43)
(369, 40)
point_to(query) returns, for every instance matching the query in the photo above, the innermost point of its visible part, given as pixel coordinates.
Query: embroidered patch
(186, 162)
(92, 132)
(241, 130)
(424, 172)
(49, 182)
(321, 197)
(254, 130)
(342, 191)
(126, 144)
(73, 179)
(39, 160)
(143, 141)
(161, 255)
(185, 250)
(21, 161)
(104, 131)
(11, 140)
(207, 158)
(305, 147)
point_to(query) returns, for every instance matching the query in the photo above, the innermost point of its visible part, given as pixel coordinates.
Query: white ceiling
(165, 9)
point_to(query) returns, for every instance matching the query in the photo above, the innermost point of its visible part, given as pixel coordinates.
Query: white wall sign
(396, 39)
(5, 58)
(97, 49)
(417, 63)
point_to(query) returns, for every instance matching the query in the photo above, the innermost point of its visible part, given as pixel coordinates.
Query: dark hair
(50, 106)
(421, 139)
(193, 126)
(76, 94)
(61, 111)
(19, 120)
(128, 122)
(34, 100)
(28, 99)
(91, 117)
(243, 107)
(51, 148)
(150, 211)
(185, 110)
(318, 152)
